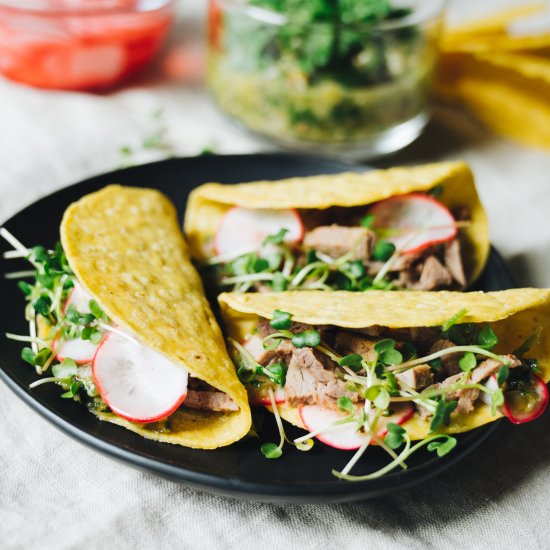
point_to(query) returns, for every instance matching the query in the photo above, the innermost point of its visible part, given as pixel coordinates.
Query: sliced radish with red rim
(245, 229)
(78, 298)
(260, 396)
(423, 221)
(80, 351)
(136, 382)
(347, 437)
(526, 404)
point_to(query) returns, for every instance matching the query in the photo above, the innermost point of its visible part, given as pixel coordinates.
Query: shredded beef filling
(313, 378)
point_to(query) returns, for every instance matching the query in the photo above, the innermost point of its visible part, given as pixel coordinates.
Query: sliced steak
(337, 240)
(453, 262)
(265, 329)
(215, 401)
(254, 345)
(417, 378)
(347, 342)
(449, 362)
(434, 275)
(417, 335)
(311, 380)
(491, 366)
(466, 398)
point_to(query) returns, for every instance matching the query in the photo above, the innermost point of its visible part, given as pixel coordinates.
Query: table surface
(55, 493)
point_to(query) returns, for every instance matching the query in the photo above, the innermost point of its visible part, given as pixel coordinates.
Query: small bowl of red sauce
(80, 44)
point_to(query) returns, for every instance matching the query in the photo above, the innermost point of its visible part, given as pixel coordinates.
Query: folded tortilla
(514, 316)
(208, 203)
(127, 251)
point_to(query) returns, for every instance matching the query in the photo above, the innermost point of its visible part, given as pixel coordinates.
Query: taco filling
(118, 319)
(358, 387)
(73, 339)
(404, 242)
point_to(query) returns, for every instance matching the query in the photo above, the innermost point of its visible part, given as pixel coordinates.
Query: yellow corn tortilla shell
(209, 202)
(492, 33)
(514, 316)
(127, 251)
(508, 92)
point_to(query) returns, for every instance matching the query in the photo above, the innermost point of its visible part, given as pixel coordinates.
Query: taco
(418, 228)
(124, 327)
(353, 369)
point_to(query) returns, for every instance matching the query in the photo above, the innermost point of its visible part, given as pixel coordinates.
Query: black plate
(238, 470)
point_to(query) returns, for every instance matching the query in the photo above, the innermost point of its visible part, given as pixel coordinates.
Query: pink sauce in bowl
(80, 44)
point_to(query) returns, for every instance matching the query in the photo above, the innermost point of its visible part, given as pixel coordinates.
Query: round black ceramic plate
(238, 470)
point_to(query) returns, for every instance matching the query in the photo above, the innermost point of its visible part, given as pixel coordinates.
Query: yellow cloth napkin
(503, 78)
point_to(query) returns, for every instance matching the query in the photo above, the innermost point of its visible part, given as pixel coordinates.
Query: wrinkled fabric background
(56, 493)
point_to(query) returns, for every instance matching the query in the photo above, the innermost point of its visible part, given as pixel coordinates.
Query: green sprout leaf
(467, 362)
(346, 404)
(42, 356)
(26, 288)
(277, 238)
(487, 339)
(42, 306)
(529, 343)
(442, 414)
(447, 325)
(276, 372)
(28, 355)
(394, 438)
(367, 221)
(383, 250)
(66, 369)
(353, 361)
(308, 338)
(387, 354)
(72, 315)
(503, 374)
(355, 269)
(382, 400)
(271, 450)
(279, 283)
(443, 446)
(497, 401)
(281, 320)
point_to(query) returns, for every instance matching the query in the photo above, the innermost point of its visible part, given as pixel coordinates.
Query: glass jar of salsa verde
(350, 78)
(80, 45)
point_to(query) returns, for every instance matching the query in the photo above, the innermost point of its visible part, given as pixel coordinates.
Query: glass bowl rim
(90, 7)
(274, 18)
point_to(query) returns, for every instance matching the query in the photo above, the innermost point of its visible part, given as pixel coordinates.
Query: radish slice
(136, 382)
(346, 437)
(80, 351)
(524, 406)
(424, 221)
(244, 229)
(520, 407)
(79, 299)
(260, 396)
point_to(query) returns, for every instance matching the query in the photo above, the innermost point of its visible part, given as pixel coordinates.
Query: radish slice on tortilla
(526, 403)
(245, 229)
(80, 351)
(79, 299)
(260, 396)
(347, 437)
(423, 221)
(136, 382)
(523, 404)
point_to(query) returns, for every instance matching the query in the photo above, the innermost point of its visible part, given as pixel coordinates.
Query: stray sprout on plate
(404, 242)
(355, 388)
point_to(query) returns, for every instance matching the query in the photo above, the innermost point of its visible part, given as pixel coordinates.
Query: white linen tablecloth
(56, 493)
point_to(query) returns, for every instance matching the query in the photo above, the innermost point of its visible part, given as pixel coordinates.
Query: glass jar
(352, 89)
(80, 45)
